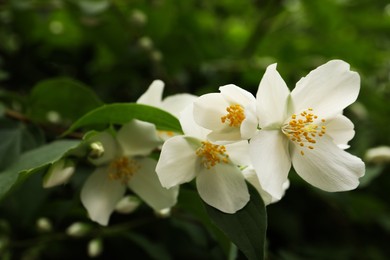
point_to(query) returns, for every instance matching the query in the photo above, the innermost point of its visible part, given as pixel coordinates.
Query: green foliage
(61, 100)
(31, 162)
(123, 113)
(247, 227)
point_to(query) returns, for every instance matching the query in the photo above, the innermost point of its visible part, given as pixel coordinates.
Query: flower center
(303, 130)
(122, 169)
(235, 115)
(211, 154)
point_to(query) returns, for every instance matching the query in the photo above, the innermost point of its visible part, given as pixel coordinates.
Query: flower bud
(380, 154)
(44, 225)
(156, 56)
(78, 229)
(138, 17)
(59, 173)
(127, 204)
(95, 247)
(163, 213)
(145, 43)
(96, 150)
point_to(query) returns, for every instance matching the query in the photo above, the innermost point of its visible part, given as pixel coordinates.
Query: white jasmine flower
(306, 128)
(124, 164)
(219, 181)
(230, 115)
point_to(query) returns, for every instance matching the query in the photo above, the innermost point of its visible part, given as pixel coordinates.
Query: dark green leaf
(32, 161)
(10, 147)
(122, 113)
(154, 250)
(247, 227)
(65, 99)
(190, 201)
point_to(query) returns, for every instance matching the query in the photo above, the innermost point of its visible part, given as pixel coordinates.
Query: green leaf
(247, 227)
(121, 113)
(154, 250)
(190, 201)
(33, 161)
(61, 100)
(10, 147)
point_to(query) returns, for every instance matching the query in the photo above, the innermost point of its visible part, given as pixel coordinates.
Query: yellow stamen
(122, 169)
(235, 115)
(211, 154)
(304, 128)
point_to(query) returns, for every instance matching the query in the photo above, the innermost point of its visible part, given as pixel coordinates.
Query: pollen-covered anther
(235, 115)
(212, 154)
(304, 128)
(122, 169)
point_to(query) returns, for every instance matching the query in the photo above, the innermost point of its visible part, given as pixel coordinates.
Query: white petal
(59, 173)
(225, 135)
(138, 138)
(248, 127)
(223, 187)
(272, 99)
(236, 95)
(176, 103)
(153, 95)
(251, 176)
(190, 128)
(147, 186)
(208, 110)
(268, 151)
(100, 195)
(239, 153)
(178, 162)
(328, 167)
(110, 146)
(340, 128)
(327, 90)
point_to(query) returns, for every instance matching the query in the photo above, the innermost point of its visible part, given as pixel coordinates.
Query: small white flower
(124, 164)
(230, 115)
(306, 128)
(219, 181)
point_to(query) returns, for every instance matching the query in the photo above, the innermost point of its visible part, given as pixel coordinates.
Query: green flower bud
(96, 150)
(78, 229)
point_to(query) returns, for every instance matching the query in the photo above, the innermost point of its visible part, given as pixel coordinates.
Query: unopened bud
(145, 43)
(95, 247)
(138, 17)
(378, 155)
(96, 150)
(44, 225)
(163, 213)
(156, 56)
(78, 229)
(127, 204)
(59, 173)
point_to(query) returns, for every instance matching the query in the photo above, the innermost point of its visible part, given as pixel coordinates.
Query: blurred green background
(119, 47)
